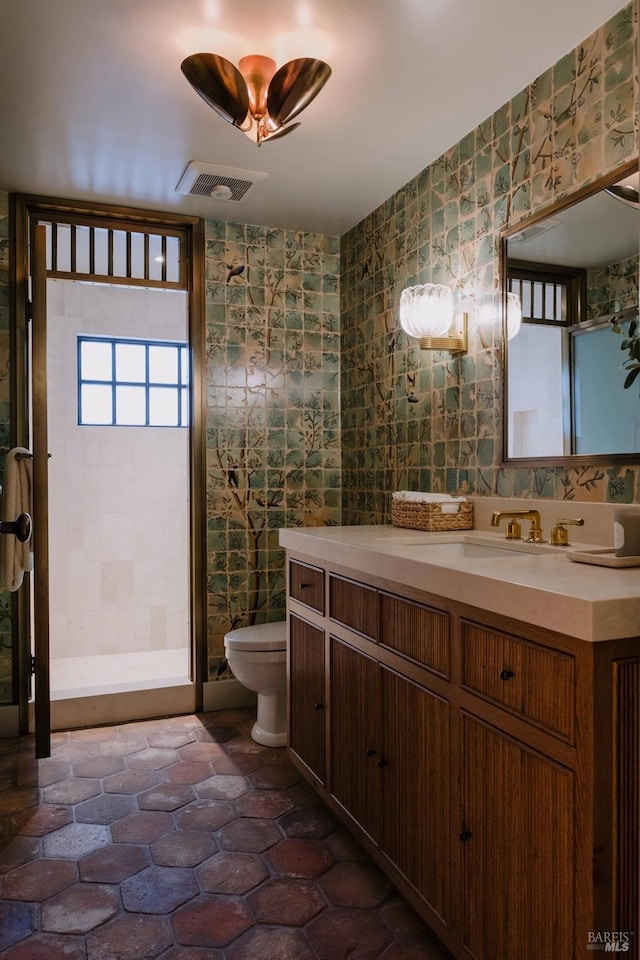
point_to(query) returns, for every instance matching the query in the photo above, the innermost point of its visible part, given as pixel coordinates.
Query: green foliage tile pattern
(433, 421)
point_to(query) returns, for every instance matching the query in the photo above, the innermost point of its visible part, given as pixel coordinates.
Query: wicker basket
(429, 516)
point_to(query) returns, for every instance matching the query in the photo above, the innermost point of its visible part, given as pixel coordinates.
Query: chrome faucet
(514, 530)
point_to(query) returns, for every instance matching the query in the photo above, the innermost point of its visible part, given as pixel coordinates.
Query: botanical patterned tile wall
(5, 601)
(434, 423)
(273, 411)
(612, 288)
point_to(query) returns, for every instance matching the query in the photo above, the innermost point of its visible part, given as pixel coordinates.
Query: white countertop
(544, 587)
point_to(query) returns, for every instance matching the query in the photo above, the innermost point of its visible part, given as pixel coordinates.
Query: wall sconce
(514, 315)
(426, 313)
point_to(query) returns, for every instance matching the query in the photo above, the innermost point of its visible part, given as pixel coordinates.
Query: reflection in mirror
(576, 275)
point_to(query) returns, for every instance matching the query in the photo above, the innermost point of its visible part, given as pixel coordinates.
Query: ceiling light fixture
(256, 97)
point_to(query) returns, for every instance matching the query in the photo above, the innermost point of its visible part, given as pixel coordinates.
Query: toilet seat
(262, 637)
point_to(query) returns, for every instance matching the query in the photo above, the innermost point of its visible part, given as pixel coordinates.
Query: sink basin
(462, 549)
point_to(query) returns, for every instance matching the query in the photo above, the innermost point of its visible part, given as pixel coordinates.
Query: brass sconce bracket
(454, 344)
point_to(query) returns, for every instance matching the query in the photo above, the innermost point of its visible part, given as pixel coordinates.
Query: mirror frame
(570, 200)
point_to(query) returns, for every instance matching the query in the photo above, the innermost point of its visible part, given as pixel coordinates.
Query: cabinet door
(416, 832)
(307, 733)
(517, 850)
(356, 748)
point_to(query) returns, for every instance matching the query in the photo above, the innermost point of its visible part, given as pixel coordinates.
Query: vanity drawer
(417, 632)
(534, 681)
(354, 605)
(306, 584)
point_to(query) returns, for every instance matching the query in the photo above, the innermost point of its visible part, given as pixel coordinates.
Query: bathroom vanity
(471, 711)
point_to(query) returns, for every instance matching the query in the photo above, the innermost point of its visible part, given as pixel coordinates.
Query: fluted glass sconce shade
(514, 315)
(255, 96)
(426, 312)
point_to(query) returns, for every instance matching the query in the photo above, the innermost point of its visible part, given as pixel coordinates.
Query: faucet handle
(560, 534)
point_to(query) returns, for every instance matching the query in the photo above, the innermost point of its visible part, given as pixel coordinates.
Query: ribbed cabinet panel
(627, 796)
(306, 694)
(517, 835)
(418, 632)
(416, 830)
(534, 681)
(354, 605)
(356, 777)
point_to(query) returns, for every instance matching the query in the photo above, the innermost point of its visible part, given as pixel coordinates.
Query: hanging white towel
(15, 557)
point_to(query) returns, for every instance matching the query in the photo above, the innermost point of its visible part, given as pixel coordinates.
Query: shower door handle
(20, 527)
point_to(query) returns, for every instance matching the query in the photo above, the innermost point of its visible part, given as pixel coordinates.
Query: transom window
(132, 383)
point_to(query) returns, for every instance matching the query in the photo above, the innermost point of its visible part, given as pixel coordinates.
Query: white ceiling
(94, 105)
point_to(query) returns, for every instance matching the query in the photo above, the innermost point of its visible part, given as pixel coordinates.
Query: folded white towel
(15, 557)
(415, 496)
(448, 504)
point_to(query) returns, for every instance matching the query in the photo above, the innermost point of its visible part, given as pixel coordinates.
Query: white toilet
(258, 659)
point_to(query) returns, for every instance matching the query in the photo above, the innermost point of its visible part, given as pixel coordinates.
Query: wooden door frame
(24, 210)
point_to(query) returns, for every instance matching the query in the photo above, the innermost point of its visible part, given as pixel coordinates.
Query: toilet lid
(262, 636)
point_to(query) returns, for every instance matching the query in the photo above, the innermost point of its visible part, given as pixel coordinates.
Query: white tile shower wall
(119, 508)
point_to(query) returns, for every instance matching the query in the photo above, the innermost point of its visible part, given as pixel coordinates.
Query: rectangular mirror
(574, 271)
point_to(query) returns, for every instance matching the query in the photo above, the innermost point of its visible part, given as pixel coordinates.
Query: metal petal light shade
(254, 96)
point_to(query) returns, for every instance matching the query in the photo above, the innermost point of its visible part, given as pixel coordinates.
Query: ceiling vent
(221, 183)
(533, 231)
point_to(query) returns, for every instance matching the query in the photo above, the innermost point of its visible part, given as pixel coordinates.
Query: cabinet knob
(303, 586)
(382, 762)
(465, 835)
(371, 752)
(506, 674)
(318, 706)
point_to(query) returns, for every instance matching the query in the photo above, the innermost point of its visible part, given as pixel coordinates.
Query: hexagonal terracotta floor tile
(211, 921)
(80, 908)
(76, 840)
(401, 919)
(130, 781)
(129, 938)
(353, 884)
(288, 902)
(304, 859)
(314, 823)
(19, 850)
(121, 747)
(276, 943)
(17, 921)
(153, 758)
(249, 836)
(46, 819)
(114, 863)
(106, 808)
(237, 765)
(194, 953)
(348, 935)
(39, 880)
(158, 890)
(98, 766)
(142, 827)
(275, 777)
(51, 771)
(186, 771)
(184, 848)
(205, 815)
(222, 787)
(72, 791)
(166, 796)
(232, 873)
(45, 946)
(426, 949)
(201, 751)
(265, 803)
(171, 739)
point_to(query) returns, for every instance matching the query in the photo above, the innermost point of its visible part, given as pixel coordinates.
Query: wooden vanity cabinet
(517, 849)
(307, 696)
(389, 752)
(491, 768)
